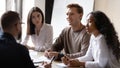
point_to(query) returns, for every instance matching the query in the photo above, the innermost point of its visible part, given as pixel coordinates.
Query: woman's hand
(46, 65)
(72, 62)
(76, 63)
(65, 60)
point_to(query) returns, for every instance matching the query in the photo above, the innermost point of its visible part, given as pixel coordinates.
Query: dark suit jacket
(13, 54)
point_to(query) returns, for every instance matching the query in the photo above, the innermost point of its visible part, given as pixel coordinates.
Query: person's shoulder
(22, 47)
(66, 28)
(101, 37)
(48, 26)
(84, 32)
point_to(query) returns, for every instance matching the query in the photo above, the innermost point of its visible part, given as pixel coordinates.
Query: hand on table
(49, 54)
(65, 60)
(46, 65)
(72, 62)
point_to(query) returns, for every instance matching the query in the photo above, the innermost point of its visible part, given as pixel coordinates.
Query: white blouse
(42, 41)
(98, 54)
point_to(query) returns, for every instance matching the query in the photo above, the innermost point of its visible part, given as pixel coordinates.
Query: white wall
(26, 8)
(40, 4)
(112, 9)
(2, 9)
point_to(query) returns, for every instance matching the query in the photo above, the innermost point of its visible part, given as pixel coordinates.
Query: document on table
(36, 57)
(41, 59)
(61, 65)
(38, 61)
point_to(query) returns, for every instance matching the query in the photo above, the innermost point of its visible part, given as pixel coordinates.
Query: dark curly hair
(105, 27)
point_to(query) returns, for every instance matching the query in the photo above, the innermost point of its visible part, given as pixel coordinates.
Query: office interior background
(55, 11)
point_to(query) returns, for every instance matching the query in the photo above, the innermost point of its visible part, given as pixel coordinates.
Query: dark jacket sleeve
(26, 57)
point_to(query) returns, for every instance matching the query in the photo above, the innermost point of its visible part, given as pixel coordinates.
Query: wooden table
(55, 64)
(36, 56)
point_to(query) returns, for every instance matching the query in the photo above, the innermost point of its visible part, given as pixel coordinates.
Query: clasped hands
(71, 62)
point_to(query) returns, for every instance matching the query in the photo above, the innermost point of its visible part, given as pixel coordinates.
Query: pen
(38, 62)
(53, 58)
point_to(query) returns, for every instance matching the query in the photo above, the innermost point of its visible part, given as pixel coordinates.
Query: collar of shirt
(98, 37)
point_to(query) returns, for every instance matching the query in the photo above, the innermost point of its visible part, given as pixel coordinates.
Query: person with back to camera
(74, 39)
(13, 54)
(40, 33)
(104, 48)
